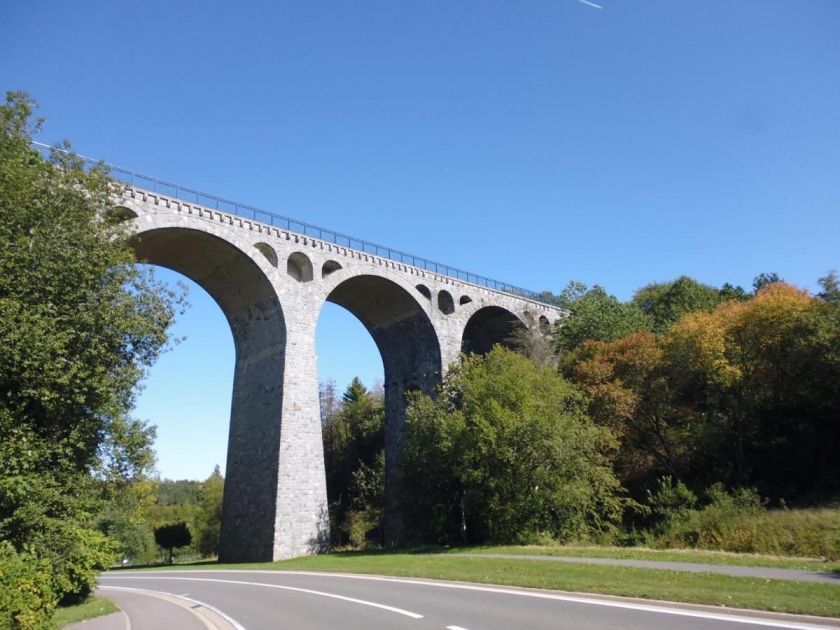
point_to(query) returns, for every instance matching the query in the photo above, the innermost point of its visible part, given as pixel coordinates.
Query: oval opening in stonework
(465, 299)
(445, 302)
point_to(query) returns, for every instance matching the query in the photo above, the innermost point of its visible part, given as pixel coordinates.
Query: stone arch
(445, 302)
(489, 326)
(329, 267)
(268, 251)
(465, 299)
(240, 285)
(411, 358)
(299, 267)
(424, 291)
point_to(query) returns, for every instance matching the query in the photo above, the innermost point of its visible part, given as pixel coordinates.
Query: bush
(738, 521)
(26, 596)
(76, 554)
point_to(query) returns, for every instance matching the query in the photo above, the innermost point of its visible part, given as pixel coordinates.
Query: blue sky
(534, 142)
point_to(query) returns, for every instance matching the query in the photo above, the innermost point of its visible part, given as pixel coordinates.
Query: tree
(594, 314)
(327, 400)
(627, 386)
(172, 536)
(764, 377)
(514, 455)
(830, 286)
(666, 302)
(79, 324)
(764, 279)
(354, 443)
(209, 522)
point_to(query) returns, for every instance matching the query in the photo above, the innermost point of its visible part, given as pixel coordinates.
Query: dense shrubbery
(739, 521)
(27, 599)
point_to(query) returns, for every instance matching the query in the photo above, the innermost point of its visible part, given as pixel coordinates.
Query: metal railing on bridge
(191, 195)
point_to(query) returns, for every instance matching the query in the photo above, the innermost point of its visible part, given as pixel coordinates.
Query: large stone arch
(238, 277)
(411, 357)
(488, 326)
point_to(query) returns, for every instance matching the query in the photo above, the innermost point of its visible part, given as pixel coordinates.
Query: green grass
(88, 609)
(700, 588)
(663, 555)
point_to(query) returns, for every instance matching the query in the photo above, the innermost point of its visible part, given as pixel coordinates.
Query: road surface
(313, 601)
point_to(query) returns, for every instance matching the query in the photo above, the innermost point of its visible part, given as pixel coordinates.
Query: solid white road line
(455, 628)
(168, 596)
(353, 600)
(592, 601)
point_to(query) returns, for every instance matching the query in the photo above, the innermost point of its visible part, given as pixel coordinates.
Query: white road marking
(592, 601)
(455, 628)
(363, 602)
(221, 614)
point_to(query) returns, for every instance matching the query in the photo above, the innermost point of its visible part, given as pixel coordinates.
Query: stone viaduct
(271, 284)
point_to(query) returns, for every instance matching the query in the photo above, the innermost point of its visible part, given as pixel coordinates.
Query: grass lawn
(700, 588)
(90, 608)
(664, 555)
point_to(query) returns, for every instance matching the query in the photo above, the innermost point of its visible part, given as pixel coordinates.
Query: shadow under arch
(248, 300)
(411, 360)
(487, 327)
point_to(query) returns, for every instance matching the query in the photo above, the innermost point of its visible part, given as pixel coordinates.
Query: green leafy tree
(209, 521)
(666, 302)
(830, 286)
(596, 315)
(354, 443)
(79, 323)
(764, 279)
(172, 536)
(504, 452)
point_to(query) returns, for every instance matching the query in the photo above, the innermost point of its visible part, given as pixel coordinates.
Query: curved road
(313, 601)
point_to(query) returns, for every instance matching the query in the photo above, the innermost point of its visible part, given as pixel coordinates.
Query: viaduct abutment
(271, 284)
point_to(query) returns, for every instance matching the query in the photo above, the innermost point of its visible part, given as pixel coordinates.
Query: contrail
(591, 4)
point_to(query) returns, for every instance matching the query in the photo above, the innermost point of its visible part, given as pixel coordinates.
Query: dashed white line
(455, 628)
(363, 602)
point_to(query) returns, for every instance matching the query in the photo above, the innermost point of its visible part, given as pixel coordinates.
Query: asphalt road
(312, 601)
